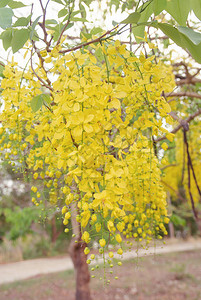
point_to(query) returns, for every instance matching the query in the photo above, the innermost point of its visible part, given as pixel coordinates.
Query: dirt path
(29, 268)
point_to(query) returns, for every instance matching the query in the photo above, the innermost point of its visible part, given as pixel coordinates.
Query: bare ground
(163, 277)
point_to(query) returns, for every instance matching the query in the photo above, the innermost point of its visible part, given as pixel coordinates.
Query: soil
(173, 276)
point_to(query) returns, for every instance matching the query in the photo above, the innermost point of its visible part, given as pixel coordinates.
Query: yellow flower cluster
(179, 167)
(92, 144)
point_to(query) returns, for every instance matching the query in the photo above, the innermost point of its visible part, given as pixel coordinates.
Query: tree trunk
(199, 226)
(170, 225)
(55, 233)
(79, 258)
(54, 230)
(81, 270)
(171, 230)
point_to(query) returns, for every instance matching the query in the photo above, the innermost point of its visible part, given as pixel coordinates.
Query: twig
(42, 25)
(90, 42)
(59, 39)
(171, 165)
(190, 162)
(175, 191)
(130, 38)
(40, 79)
(67, 23)
(184, 81)
(189, 179)
(183, 168)
(155, 147)
(183, 94)
(188, 120)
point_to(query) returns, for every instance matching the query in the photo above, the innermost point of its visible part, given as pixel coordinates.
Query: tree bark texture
(79, 258)
(81, 270)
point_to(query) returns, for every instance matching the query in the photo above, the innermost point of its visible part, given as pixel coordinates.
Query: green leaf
(195, 50)
(82, 10)
(177, 220)
(181, 40)
(171, 32)
(33, 27)
(6, 15)
(16, 4)
(19, 39)
(74, 13)
(1, 70)
(37, 101)
(58, 29)
(194, 36)
(63, 12)
(114, 23)
(50, 21)
(6, 37)
(179, 10)
(35, 37)
(145, 15)
(46, 98)
(22, 21)
(35, 22)
(96, 30)
(58, 1)
(3, 3)
(132, 18)
(76, 19)
(159, 6)
(87, 2)
(196, 6)
(99, 54)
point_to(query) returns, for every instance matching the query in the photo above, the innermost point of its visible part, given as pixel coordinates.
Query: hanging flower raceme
(91, 140)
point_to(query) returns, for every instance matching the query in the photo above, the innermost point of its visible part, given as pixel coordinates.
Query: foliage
(20, 220)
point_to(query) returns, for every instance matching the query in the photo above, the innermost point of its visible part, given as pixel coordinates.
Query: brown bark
(81, 270)
(79, 258)
(170, 225)
(55, 233)
(171, 230)
(199, 226)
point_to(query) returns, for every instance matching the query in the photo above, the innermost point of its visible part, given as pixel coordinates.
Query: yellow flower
(86, 237)
(102, 242)
(86, 250)
(120, 251)
(164, 146)
(118, 238)
(111, 254)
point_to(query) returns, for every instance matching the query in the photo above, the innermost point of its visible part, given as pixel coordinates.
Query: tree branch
(175, 191)
(183, 94)
(182, 122)
(88, 43)
(184, 81)
(67, 23)
(40, 79)
(42, 25)
(168, 166)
